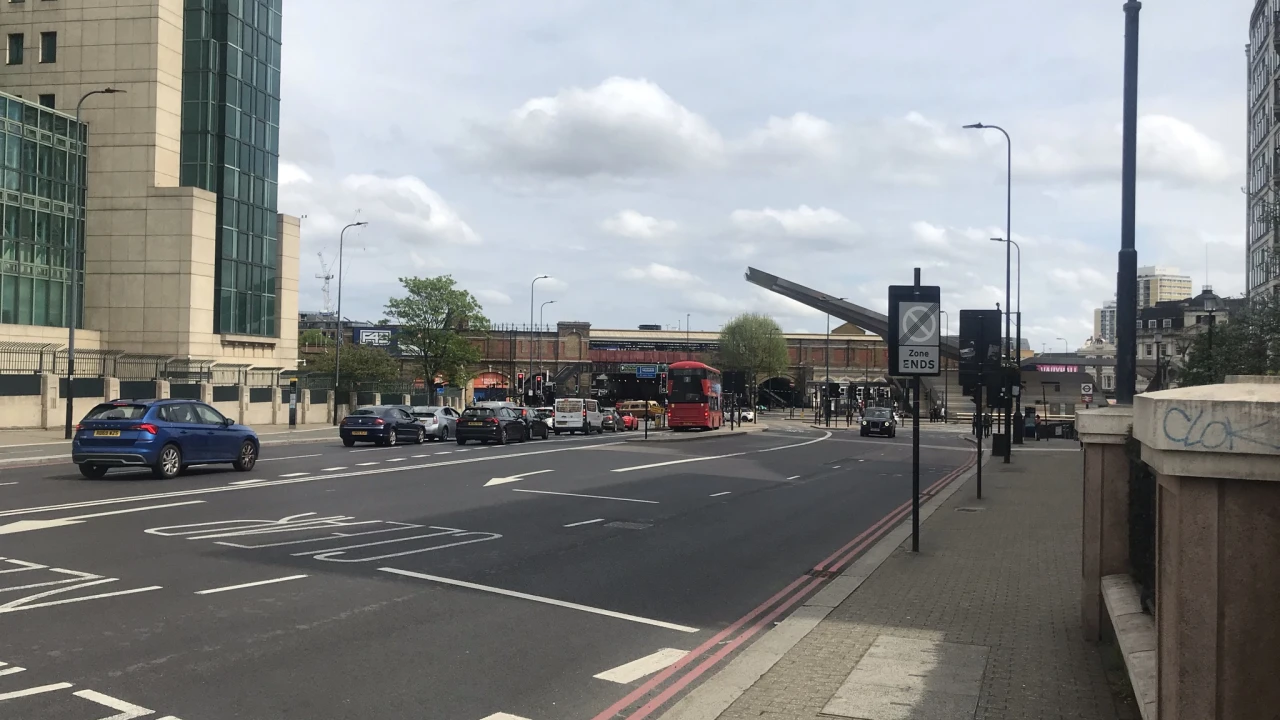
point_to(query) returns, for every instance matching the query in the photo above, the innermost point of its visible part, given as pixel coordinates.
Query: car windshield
(426, 412)
(117, 412)
(479, 413)
(879, 414)
(368, 411)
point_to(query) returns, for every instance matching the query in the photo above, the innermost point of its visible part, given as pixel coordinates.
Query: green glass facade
(231, 146)
(38, 215)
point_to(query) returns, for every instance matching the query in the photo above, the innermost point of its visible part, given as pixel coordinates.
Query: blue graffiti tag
(1180, 427)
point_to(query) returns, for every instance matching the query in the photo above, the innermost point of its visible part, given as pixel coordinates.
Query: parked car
(167, 436)
(381, 425)
(629, 421)
(491, 424)
(746, 415)
(879, 421)
(537, 428)
(441, 422)
(578, 415)
(610, 420)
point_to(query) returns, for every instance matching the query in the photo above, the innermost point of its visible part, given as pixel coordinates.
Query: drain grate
(969, 509)
(820, 573)
(628, 525)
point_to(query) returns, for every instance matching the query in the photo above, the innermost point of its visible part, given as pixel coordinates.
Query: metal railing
(1142, 525)
(20, 358)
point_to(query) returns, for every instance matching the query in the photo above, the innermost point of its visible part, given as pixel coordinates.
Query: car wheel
(444, 435)
(422, 437)
(461, 441)
(502, 436)
(348, 442)
(557, 433)
(169, 464)
(393, 437)
(524, 435)
(92, 471)
(248, 456)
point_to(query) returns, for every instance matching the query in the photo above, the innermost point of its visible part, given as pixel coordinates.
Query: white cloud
(416, 212)
(621, 127)
(804, 223)
(493, 297)
(290, 173)
(800, 136)
(663, 274)
(637, 226)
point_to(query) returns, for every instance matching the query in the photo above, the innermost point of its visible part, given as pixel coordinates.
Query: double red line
(766, 613)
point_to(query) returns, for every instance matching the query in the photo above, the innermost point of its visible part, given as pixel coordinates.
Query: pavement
(983, 622)
(550, 580)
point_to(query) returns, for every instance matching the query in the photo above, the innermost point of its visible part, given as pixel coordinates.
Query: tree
(313, 339)
(753, 343)
(1248, 344)
(433, 317)
(360, 364)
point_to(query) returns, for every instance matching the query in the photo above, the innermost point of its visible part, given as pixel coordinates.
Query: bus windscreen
(688, 386)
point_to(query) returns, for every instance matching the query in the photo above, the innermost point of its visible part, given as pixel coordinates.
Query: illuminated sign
(1058, 368)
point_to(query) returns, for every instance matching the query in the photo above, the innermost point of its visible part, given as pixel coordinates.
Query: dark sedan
(879, 421)
(491, 425)
(381, 425)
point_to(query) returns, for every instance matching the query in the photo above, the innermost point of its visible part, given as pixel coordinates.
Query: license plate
(359, 432)
(106, 433)
(475, 424)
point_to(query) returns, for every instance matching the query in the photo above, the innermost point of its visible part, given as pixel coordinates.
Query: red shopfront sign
(1058, 368)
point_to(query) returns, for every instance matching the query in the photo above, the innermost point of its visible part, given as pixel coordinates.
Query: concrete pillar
(279, 413)
(49, 402)
(206, 393)
(162, 389)
(1215, 451)
(1105, 540)
(110, 389)
(243, 403)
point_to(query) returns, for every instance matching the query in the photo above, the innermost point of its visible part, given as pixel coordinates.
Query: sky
(644, 154)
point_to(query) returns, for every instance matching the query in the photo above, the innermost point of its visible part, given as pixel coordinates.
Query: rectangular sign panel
(647, 371)
(915, 330)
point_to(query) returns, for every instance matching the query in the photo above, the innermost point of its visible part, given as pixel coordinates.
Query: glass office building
(38, 200)
(231, 146)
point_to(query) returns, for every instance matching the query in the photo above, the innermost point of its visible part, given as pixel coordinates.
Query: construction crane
(326, 275)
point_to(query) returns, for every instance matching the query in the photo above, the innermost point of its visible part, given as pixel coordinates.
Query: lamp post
(337, 324)
(533, 335)
(1065, 351)
(826, 381)
(1008, 257)
(542, 308)
(73, 262)
(946, 368)
(1159, 381)
(1127, 261)
(1017, 344)
(688, 347)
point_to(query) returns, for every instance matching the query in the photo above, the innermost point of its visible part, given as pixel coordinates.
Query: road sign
(915, 327)
(1086, 388)
(647, 372)
(1086, 399)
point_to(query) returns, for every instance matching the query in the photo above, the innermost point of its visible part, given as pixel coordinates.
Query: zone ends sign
(915, 330)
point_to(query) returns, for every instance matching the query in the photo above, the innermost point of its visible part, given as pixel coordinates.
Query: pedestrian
(1039, 433)
(1029, 423)
(986, 425)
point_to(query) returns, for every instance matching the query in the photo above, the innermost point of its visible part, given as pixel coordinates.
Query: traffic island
(673, 436)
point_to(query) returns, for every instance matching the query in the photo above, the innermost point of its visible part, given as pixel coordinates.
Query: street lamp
(946, 368)
(1159, 381)
(74, 261)
(540, 311)
(1008, 257)
(337, 324)
(1065, 351)
(533, 336)
(826, 381)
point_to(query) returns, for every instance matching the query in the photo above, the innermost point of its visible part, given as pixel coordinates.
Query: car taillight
(584, 413)
(492, 421)
(147, 428)
(79, 426)
(379, 421)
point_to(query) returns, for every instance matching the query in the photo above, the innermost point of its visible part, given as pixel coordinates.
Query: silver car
(441, 422)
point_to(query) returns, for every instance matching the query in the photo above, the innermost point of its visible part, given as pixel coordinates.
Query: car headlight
(864, 422)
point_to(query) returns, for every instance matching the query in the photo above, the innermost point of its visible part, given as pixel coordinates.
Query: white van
(576, 415)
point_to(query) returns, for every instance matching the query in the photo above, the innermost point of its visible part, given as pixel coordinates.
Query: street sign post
(1086, 388)
(1086, 399)
(914, 332)
(647, 372)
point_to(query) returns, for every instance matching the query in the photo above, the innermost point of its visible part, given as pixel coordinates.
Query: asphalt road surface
(573, 578)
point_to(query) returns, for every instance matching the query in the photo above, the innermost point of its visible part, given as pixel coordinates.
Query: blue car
(166, 436)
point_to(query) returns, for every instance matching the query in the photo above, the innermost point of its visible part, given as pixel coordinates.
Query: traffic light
(662, 383)
(520, 381)
(537, 383)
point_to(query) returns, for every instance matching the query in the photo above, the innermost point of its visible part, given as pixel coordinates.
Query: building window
(15, 48)
(1146, 349)
(48, 47)
(1167, 322)
(1151, 324)
(47, 100)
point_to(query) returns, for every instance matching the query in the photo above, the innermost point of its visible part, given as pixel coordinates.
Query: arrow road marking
(25, 525)
(513, 478)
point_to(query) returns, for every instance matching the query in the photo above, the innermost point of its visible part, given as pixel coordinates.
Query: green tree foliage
(360, 364)
(753, 343)
(314, 339)
(1248, 344)
(434, 317)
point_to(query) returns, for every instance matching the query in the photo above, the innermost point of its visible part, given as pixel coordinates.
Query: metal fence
(18, 358)
(1142, 525)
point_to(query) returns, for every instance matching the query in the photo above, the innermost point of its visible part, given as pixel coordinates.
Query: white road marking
(9, 483)
(495, 716)
(595, 497)
(128, 711)
(397, 459)
(548, 601)
(419, 456)
(465, 449)
(368, 463)
(366, 449)
(297, 474)
(585, 522)
(34, 691)
(677, 462)
(333, 469)
(794, 477)
(835, 467)
(291, 457)
(513, 478)
(248, 482)
(290, 481)
(12, 671)
(25, 525)
(647, 665)
(446, 452)
(248, 585)
(18, 605)
(726, 492)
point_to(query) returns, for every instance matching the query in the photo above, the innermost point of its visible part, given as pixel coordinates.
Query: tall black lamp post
(1127, 270)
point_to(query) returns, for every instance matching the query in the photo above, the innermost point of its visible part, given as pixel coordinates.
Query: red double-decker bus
(693, 396)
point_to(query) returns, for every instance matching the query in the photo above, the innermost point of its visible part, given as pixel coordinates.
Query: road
(573, 578)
